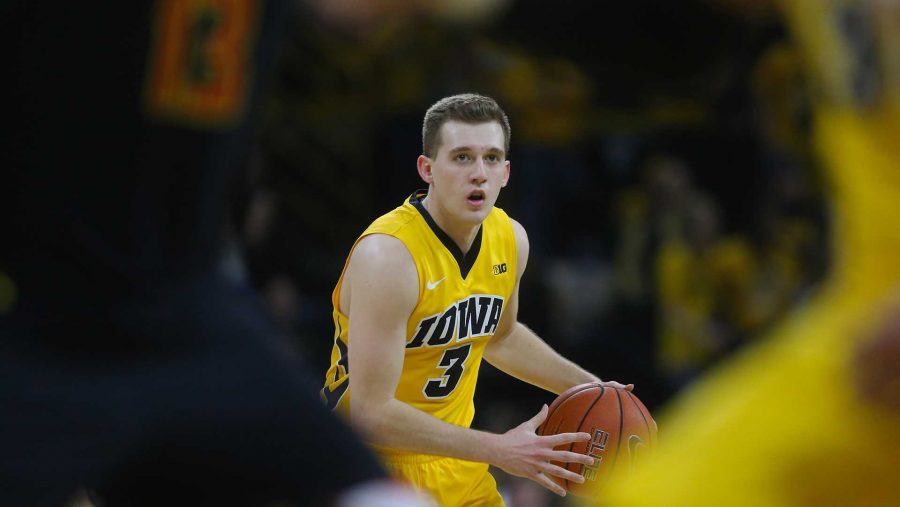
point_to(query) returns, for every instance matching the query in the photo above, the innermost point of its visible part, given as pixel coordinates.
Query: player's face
(468, 171)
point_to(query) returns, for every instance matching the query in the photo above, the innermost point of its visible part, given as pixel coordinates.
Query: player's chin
(477, 215)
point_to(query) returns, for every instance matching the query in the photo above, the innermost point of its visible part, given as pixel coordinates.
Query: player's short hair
(467, 108)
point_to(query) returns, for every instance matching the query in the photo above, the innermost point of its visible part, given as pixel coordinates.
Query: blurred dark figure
(702, 278)
(649, 214)
(131, 365)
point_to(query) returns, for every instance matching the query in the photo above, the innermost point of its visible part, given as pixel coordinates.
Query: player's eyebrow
(491, 151)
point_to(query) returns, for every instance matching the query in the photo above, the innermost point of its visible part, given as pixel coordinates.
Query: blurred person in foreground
(812, 416)
(428, 290)
(130, 367)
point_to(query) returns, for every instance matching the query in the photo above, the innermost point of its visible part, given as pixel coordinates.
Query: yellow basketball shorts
(451, 482)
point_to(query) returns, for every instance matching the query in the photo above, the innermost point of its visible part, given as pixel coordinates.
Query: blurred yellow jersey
(461, 300)
(783, 425)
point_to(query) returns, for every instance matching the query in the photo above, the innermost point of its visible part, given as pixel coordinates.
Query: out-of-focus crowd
(674, 209)
(662, 170)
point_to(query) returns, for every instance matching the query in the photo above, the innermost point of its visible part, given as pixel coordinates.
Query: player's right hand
(524, 453)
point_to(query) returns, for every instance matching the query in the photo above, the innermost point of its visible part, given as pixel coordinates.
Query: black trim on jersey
(332, 398)
(465, 261)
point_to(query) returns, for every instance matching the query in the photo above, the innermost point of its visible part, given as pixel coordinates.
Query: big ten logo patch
(598, 443)
(499, 269)
(477, 315)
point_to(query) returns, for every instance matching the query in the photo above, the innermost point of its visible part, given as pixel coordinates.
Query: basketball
(621, 428)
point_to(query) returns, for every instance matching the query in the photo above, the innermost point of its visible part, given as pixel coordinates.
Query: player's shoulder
(381, 271)
(384, 261)
(499, 215)
(518, 230)
(382, 249)
(393, 221)
(519, 235)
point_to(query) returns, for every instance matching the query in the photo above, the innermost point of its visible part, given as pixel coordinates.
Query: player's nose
(479, 172)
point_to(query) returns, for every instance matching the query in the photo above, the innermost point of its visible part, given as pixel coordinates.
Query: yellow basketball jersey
(461, 299)
(783, 424)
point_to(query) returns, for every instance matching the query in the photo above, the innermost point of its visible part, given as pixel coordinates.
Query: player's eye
(462, 157)
(492, 158)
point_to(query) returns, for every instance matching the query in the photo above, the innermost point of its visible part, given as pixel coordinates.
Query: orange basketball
(621, 428)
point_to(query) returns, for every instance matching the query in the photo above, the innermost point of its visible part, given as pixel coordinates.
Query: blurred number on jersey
(200, 62)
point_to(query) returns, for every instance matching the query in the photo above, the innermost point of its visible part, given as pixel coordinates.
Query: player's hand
(524, 453)
(617, 385)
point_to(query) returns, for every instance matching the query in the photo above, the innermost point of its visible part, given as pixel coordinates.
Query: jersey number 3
(453, 361)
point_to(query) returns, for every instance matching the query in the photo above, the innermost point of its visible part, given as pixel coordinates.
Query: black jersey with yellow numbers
(461, 300)
(125, 122)
(131, 369)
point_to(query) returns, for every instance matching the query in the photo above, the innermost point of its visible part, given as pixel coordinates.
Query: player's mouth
(476, 198)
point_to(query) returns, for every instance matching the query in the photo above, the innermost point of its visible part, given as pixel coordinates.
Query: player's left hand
(617, 385)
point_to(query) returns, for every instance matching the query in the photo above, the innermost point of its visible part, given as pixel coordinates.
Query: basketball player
(129, 365)
(430, 289)
(811, 418)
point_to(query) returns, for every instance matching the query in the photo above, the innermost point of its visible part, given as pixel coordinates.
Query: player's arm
(520, 352)
(382, 293)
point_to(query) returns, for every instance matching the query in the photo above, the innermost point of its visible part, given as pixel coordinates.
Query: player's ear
(423, 164)
(506, 175)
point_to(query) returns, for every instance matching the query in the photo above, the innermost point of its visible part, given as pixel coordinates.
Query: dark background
(660, 164)
(600, 95)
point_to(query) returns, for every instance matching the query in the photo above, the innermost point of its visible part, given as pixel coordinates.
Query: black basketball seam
(554, 430)
(584, 388)
(612, 465)
(578, 428)
(647, 424)
(551, 412)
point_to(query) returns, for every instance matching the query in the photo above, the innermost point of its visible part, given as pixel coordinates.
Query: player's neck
(462, 233)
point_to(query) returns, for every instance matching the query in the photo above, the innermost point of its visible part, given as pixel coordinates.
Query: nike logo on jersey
(431, 285)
